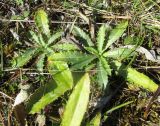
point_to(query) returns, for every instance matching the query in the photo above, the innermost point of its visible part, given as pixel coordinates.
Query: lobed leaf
(101, 38)
(77, 59)
(42, 41)
(80, 33)
(35, 38)
(24, 58)
(106, 66)
(92, 50)
(116, 33)
(41, 20)
(82, 63)
(119, 53)
(40, 62)
(54, 37)
(102, 75)
(77, 103)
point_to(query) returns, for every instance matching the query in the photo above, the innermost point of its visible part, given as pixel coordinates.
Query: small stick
(150, 102)
(116, 17)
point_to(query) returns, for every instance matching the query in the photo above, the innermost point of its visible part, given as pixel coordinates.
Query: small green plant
(62, 82)
(98, 54)
(64, 58)
(43, 43)
(109, 59)
(95, 52)
(99, 48)
(62, 79)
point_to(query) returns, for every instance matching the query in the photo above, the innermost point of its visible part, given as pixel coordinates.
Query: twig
(54, 22)
(156, 94)
(3, 94)
(116, 17)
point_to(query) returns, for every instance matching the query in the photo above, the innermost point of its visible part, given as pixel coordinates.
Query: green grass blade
(118, 107)
(80, 33)
(41, 20)
(115, 108)
(116, 33)
(77, 103)
(24, 58)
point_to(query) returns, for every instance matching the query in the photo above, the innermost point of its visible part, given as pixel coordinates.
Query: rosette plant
(43, 43)
(99, 55)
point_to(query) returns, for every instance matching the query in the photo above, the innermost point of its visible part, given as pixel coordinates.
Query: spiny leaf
(92, 50)
(41, 20)
(35, 38)
(119, 53)
(82, 63)
(105, 65)
(77, 59)
(54, 89)
(135, 77)
(69, 56)
(41, 40)
(102, 75)
(116, 33)
(24, 58)
(80, 33)
(65, 47)
(101, 38)
(54, 37)
(77, 103)
(40, 63)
